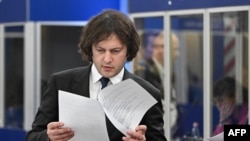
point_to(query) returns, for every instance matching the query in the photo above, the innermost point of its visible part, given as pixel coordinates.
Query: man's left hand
(137, 135)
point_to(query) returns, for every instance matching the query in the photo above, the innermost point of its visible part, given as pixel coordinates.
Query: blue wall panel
(12, 10)
(162, 5)
(12, 134)
(54, 10)
(65, 10)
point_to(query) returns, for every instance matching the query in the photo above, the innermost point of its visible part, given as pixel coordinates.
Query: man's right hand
(56, 132)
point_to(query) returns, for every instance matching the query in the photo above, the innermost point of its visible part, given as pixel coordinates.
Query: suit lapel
(127, 75)
(81, 84)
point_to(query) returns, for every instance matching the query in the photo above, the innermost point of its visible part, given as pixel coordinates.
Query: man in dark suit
(108, 41)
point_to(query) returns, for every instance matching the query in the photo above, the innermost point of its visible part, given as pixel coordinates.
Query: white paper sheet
(124, 103)
(85, 116)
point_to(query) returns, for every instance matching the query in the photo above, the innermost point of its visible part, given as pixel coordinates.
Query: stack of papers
(124, 103)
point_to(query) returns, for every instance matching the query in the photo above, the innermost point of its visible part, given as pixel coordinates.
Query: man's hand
(56, 132)
(137, 135)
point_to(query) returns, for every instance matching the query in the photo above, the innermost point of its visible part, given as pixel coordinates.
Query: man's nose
(107, 57)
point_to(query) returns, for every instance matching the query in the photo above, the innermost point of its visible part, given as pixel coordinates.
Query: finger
(141, 129)
(63, 136)
(55, 125)
(138, 134)
(132, 139)
(55, 129)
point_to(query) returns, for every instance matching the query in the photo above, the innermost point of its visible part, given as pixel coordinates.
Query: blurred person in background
(224, 94)
(152, 70)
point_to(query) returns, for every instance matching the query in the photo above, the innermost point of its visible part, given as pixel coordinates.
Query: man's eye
(100, 50)
(115, 51)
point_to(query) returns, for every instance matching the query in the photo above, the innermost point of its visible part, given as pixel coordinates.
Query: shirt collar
(95, 75)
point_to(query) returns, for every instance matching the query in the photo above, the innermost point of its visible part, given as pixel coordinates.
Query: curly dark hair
(225, 86)
(101, 26)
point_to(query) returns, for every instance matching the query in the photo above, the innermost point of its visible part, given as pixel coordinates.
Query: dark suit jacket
(77, 81)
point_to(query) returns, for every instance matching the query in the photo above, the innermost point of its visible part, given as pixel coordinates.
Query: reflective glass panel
(149, 61)
(14, 76)
(229, 41)
(187, 74)
(59, 48)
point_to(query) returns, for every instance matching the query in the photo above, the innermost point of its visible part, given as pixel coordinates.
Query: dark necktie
(104, 81)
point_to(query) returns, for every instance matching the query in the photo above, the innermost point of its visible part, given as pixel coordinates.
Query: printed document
(124, 103)
(83, 115)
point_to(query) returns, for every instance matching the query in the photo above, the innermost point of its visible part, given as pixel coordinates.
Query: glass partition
(14, 76)
(150, 65)
(149, 61)
(229, 41)
(59, 49)
(186, 38)
(207, 51)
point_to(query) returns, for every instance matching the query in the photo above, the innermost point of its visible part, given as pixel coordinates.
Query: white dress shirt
(95, 84)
